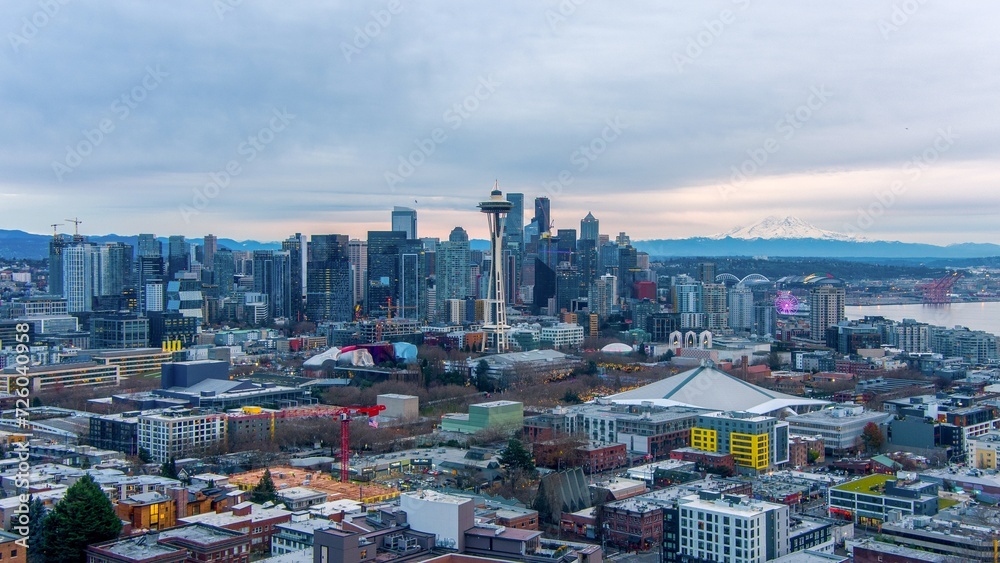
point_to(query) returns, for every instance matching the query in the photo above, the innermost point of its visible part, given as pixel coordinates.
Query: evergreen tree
(169, 469)
(84, 516)
(516, 456)
(36, 534)
(265, 490)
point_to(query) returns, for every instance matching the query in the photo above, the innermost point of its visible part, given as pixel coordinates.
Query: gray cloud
(697, 85)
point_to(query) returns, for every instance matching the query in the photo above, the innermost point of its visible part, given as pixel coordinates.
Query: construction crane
(936, 292)
(55, 231)
(345, 414)
(76, 228)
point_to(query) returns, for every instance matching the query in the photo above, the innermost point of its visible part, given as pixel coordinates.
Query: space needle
(496, 326)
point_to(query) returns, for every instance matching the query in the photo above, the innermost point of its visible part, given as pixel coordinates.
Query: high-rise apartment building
(826, 309)
(721, 527)
(714, 306)
(741, 308)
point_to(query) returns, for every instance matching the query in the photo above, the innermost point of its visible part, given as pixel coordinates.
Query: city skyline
(663, 121)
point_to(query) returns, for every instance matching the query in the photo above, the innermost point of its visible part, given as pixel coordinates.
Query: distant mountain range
(772, 227)
(19, 244)
(773, 236)
(790, 236)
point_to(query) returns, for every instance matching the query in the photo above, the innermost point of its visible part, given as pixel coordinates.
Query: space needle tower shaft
(496, 327)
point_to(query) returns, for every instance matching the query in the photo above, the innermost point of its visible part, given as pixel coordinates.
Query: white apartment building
(721, 527)
(562, 334)
(182, 433)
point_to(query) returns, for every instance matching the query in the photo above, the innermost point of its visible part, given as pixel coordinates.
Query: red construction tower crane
(936, 291)
(345, 414)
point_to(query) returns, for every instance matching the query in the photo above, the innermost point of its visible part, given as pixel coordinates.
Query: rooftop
(200, 533)
(221, 519)
(144, 547)
(866, 485)
(710, 388)
(434, 496)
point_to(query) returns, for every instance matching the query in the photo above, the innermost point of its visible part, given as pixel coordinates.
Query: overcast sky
(665, 119)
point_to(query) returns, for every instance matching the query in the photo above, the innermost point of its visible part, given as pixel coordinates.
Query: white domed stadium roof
(617, 348)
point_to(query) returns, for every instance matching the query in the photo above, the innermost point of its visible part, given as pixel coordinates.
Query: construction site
(286, 477)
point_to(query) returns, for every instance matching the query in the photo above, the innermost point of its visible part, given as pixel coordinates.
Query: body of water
(977, 316)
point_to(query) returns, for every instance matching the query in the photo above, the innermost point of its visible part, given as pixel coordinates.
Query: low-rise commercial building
(840, 427)
(868, 501)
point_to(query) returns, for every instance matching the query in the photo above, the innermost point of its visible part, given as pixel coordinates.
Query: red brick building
(799, 448)
(194, 542)
(633, 523)
(707, 461)
(257, 522)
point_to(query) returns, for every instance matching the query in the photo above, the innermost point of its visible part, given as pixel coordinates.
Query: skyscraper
(514, 244)
(117, 270)
(358, 253)
(224, 273)
(272, 276)
(452, 271)
(383, 270)
(80, 267)
(566, 245)
(210, 247)
(293, 245)
(826, 309)
(178, 255)
(589, 228)
(412, 299)
(405, 219)
(149, 246)
(543, 215)
(514, 225)
(328, 279)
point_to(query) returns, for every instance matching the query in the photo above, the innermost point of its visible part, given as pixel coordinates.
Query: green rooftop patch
(944, 503)
(872, 484)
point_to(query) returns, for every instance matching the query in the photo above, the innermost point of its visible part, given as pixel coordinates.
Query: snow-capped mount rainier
(773, 227)
(793, 237)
